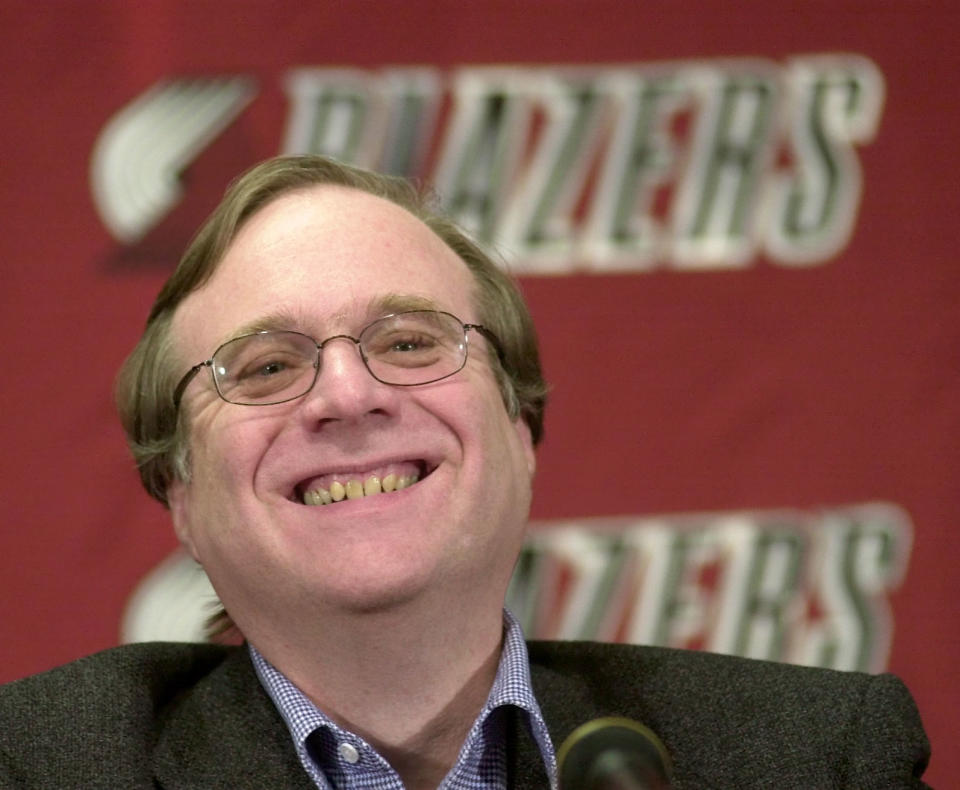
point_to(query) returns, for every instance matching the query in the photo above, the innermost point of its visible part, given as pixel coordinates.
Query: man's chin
(371, 593)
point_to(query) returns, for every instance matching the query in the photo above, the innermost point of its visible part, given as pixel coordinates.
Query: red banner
(735, 227)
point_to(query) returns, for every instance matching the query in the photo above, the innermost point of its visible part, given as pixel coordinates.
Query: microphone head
(613, 753)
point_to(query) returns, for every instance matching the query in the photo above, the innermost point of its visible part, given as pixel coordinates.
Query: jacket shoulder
(723, 680)
(146, 671)
(728, 719)
(105, 707)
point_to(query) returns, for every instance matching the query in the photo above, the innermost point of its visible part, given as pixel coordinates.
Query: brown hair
(148, 377)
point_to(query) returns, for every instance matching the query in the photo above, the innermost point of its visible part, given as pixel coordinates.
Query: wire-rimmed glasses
(274, 366)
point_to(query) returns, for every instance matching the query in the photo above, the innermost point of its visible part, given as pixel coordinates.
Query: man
(338, 396)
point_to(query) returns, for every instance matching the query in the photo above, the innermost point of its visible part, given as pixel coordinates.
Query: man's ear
(526, 440)
(177, 495)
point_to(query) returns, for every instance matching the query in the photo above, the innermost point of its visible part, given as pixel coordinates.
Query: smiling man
(360, 595)
(338, 396)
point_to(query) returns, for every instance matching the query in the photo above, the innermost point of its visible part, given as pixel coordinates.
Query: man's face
(321, 261)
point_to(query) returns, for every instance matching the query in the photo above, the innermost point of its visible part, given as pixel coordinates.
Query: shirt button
(349, 752)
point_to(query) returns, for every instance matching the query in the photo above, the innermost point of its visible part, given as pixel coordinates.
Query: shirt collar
(511, 686)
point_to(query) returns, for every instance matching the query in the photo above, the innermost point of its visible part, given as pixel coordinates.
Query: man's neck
(410, 683)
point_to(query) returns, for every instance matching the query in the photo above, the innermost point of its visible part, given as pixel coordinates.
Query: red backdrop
(752, 439)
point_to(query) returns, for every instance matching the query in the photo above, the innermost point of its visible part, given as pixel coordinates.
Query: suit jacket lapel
(225, 732)
(565, 704)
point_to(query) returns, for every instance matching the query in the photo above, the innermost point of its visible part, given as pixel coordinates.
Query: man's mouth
(329, 489)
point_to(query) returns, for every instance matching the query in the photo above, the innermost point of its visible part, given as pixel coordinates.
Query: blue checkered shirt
(337, 758)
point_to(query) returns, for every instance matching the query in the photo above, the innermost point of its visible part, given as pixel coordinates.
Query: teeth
(354, 489)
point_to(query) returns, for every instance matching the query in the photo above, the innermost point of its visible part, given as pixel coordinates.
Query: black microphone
(614, 754)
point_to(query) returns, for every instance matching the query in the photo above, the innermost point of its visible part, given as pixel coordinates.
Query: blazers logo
(807, 587)
(688, 165)
(141, 154)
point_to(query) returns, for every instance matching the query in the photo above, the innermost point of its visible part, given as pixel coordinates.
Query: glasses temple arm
(188, 377)
(492, 339)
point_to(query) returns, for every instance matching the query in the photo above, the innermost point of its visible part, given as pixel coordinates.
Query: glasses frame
(208, 363)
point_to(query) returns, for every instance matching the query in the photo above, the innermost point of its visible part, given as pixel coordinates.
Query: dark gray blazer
(194, 717)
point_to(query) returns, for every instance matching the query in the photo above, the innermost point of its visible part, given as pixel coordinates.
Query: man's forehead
(330, 211)
(324, 260)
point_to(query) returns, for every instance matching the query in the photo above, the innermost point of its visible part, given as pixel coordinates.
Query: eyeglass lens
(403, 349)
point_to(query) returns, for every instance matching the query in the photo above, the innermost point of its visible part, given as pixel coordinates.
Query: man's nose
(344, 387)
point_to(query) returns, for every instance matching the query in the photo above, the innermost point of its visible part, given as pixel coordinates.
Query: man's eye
(265, 368)
(270, 368)
(398, 343)
(412, 343)
(406, 349)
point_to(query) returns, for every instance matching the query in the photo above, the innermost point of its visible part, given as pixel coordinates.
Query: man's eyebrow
(278, 319)
(399, 303)
(378, 307)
